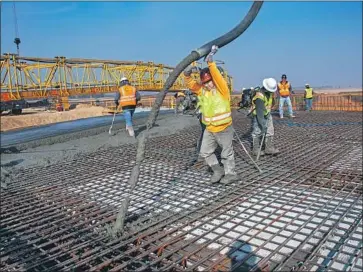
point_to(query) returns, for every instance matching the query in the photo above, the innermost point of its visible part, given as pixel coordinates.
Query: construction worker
(214, 102)
(308, 96)
(262, 123)
(284, 91)
(128, 97)
(179, 100)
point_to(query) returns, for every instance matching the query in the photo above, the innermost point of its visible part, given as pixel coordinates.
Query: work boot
(131, 131)
(230, 173)
(218, 173)
(256, 146)
(270, 149)
(229, 178)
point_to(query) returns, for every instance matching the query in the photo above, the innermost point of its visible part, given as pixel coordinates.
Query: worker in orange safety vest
(128, 97)
(284, 91)
(214, 102)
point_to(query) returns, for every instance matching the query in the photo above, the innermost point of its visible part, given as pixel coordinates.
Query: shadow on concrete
(12, 163)
(9, 150)
(142, 128)
(241, 258)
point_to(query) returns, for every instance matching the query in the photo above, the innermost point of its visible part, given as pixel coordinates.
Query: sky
(311, 42)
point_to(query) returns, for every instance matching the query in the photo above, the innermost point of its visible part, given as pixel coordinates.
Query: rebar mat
(303, 213)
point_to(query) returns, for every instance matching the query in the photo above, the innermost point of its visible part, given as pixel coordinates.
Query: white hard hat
(307, 84)
(270, 84)
(123, 79)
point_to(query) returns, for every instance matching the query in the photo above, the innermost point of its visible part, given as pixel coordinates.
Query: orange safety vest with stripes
(128, 96)
(215, 109)
(284, 88)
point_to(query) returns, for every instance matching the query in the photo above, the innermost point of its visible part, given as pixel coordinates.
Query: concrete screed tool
(193, 56)
(113, 119)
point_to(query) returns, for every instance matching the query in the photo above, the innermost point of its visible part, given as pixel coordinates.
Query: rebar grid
(304, 212)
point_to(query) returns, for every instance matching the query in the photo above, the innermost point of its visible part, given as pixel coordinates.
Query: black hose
(193, 56)
(200, 53)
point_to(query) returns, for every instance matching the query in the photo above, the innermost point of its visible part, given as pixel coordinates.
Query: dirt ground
(35, 117)
(13, 162)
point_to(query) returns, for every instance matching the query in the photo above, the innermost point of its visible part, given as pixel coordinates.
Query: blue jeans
(289, 105)
(128, 116)
(308, 103)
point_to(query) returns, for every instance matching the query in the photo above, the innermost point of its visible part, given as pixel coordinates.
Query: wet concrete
(18, 137)
(71, 145)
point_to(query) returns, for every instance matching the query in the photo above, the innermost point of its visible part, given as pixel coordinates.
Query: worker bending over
(128, 97)
(308, 95)
(214, 102)
(179, 101)
(262, 123)
(284, 91)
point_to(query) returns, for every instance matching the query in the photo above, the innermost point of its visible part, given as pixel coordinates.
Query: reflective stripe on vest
(128, 96)
(309, 93)
(218, 117)
(215, 109)
(284, 89)
(266, 101)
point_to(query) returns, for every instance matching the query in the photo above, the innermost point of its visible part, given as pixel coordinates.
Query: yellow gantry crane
(27, 78)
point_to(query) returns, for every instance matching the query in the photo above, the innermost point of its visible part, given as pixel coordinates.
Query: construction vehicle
(24, 79)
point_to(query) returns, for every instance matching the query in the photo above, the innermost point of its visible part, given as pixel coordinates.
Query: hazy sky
(315, 42)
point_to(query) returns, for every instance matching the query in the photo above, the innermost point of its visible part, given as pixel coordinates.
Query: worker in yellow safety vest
(214, 102)
(284, 91)
(308, 97)
(262, 123)
(128, 97)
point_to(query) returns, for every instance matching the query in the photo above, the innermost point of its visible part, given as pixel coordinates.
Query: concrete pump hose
(200, 53)
(193, 56)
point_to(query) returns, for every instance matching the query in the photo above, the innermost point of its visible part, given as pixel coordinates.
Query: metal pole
(258, 168)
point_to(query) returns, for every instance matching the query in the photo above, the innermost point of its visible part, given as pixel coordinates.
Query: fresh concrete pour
(70, 147)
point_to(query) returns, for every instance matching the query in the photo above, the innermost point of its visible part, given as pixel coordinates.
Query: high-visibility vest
(128, 95)
(284, 89)
(215, 109)
(266, 101)
(308, 92)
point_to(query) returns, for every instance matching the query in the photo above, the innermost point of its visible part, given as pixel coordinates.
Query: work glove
(189, 70)
(209, 57)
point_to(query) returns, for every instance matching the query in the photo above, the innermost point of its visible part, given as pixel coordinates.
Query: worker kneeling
(128, 97)
(262, 123)
(214, 103)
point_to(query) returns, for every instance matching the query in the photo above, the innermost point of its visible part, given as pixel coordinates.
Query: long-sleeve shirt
(260, 109)
(221, 87)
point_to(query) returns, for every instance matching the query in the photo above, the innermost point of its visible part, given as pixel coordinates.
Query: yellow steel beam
(29, 77)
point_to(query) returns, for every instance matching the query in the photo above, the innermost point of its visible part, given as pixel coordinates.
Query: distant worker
(179, 101)
(128, 97)
(308, 97)
(214, 101)
(284, 91)
(262, 123)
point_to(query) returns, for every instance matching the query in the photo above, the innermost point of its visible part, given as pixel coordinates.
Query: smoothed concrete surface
(69, 146)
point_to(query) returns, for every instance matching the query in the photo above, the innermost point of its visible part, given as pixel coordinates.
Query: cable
(17, 39)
